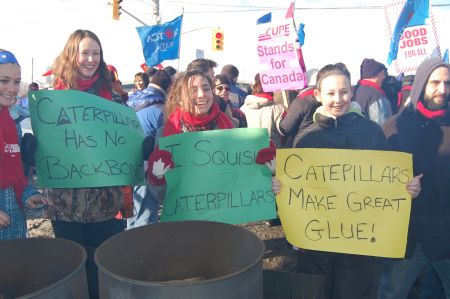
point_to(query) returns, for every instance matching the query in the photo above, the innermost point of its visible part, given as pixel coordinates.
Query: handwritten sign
(216, 177)
(347, 201)
(85, 140)
(278, 54)
(417, 42)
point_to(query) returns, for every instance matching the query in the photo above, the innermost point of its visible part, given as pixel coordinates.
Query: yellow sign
(347, 201)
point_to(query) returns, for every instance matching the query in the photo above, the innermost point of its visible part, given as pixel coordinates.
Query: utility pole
(32, 69)
(156, 12)
(130, 14)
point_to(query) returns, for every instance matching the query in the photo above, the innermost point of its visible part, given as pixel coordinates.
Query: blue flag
(414, 13)
(267, 18)
(161, 42)
(301, 34)
(445, 57)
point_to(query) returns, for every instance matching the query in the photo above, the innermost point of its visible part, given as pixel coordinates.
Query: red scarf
(178, 118)
(428, 113)
(265, 95)
(11, 171)
(371, 84)
(400, 95)
(85, 85)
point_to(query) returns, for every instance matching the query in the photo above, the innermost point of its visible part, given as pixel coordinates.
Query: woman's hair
(257, 86)
(144, 78)
(180, 93)
(332, 69)
(65, 65)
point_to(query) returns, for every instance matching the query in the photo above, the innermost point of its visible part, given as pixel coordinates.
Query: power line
(244, 8)
(299, 8)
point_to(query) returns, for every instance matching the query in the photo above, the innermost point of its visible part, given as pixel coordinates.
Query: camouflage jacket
(85, 205)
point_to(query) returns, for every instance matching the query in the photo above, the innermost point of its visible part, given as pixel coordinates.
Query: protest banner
(419, 39)
(161, 42)
(279, 56)
(216, 177)
(346, 201)
(85, 140)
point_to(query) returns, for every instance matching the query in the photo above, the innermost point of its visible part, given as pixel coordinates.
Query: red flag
(47, 73)
(144, 66)
(290, 12)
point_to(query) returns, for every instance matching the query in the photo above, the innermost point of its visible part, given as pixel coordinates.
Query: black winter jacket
(299, 116)
(429, 142)
(350, 131)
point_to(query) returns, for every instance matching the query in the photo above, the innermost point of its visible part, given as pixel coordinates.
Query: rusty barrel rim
(248, 267)
(63, 279)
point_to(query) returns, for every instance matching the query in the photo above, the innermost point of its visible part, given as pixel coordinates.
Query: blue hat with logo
(7, 57)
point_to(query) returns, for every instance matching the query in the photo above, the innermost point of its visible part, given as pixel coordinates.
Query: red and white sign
(278, 56)
(416, 44)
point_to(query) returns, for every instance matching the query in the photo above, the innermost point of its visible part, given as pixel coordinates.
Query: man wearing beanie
(237, 95)
(423, 129)
(369, 94)
(148, 104)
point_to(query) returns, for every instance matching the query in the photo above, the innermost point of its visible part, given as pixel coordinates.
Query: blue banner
(161, 42)
(414, 13)
(445, 56)
(267, 18)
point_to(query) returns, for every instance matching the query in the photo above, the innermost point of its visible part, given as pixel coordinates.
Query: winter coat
(349, 131)
(373, 102)
(8, 204)
(429, 143)
(299, 116)
(263, 113)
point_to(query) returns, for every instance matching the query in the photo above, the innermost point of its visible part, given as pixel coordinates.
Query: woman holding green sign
(85, 215)
(190, 107)
(15, 190)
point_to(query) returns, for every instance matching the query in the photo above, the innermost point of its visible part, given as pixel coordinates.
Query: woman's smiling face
(88, 58)
(335, 94)
(202, 95)
(10, 77)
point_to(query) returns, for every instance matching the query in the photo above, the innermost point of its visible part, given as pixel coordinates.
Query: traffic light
(116, 9)
(217, 40)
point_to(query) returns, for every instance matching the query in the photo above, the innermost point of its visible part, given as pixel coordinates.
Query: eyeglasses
(220, 88)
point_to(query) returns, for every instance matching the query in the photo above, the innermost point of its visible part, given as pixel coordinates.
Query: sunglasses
(220, 88)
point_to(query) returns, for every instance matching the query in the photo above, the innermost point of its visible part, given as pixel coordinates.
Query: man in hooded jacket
(423, 129)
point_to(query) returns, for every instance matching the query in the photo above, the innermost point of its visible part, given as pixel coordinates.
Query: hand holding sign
(160, 161)
(413, 186)
(267, 156)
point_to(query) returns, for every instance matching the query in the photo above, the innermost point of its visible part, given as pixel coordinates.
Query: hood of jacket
(150, 94)
(422, 74)
(255, 102)
(354, 108)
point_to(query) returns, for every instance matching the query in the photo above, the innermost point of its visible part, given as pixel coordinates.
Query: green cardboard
(216, 177)
(85, 140)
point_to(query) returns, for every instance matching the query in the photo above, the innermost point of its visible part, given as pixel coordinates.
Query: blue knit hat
(7, 57)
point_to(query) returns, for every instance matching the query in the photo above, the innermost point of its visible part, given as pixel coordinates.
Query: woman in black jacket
(339, 124)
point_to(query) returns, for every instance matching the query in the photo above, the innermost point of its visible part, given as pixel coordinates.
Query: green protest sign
(85, 140)
(216, 177)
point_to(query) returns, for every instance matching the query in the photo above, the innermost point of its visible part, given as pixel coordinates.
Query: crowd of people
(380, 112)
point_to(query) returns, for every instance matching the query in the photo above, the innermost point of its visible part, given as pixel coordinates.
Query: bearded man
(423, 129)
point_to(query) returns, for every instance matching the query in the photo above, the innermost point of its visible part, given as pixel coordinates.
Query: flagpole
(179, 47)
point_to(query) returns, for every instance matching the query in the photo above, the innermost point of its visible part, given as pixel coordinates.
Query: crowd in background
(381, 112)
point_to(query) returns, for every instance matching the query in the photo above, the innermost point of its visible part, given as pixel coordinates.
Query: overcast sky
(37, 31)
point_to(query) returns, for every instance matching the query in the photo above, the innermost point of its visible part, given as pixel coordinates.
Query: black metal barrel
(42, 269)
(187, 259)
